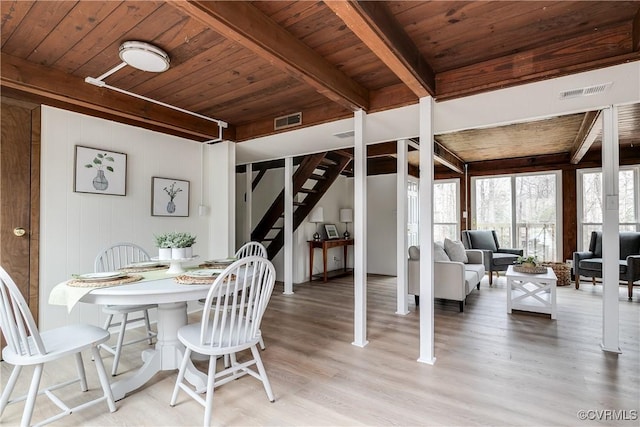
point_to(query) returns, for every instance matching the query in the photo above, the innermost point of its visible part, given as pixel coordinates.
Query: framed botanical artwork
(169, 197)
(332, 231)
(100, 171)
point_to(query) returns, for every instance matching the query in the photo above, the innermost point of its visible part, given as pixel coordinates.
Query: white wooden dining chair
(26, 346)
(251, 249)
(230, 324)
(111, 259)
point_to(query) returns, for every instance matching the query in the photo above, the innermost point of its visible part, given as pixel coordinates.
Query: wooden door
(20, 195)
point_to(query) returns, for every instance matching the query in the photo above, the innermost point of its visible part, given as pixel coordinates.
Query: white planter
(164, 253)
(178, 253)
(188, 252)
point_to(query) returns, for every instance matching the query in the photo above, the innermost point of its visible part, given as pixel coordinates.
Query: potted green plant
(163, 243)
(181, 245)
(528, 261)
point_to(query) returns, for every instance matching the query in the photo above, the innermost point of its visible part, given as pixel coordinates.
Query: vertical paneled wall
(75, 226)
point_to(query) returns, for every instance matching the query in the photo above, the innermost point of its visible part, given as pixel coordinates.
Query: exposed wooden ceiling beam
(382, 149)
(587, 134)
(589, 130)
(60, 88)
(376, 27)
(246, 25)
(445, 157)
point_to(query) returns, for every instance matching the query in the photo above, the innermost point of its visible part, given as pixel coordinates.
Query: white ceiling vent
(287, 121)
(585, 91)
(342, 135)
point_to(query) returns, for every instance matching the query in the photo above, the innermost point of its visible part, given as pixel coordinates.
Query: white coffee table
(531, 292)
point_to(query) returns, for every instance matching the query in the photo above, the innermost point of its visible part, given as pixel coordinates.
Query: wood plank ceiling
(247, 63)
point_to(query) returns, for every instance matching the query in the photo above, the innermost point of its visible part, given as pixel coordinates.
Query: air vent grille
(342, 135)
(287, 121)
(584, 91)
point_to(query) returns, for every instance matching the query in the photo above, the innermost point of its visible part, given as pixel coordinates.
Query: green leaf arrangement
(99, 162)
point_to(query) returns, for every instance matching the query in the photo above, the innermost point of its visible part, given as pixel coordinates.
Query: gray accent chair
(589, 263)
(495, 258)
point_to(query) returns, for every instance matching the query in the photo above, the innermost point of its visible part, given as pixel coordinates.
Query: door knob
(19, 231)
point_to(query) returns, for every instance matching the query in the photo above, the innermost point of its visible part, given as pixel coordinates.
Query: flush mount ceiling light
(144, 56)
(147, 57)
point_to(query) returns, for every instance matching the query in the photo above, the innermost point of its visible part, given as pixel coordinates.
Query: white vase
(178, 253)
(164, 253)
(188, 252)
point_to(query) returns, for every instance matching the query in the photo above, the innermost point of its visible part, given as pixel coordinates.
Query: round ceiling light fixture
(144, 56)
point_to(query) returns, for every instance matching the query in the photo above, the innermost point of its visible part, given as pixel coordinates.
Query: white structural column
(248, 202)
(426, 232)
(610, 230)
(360, 231)
(402, 305)
(288, 225)
(221, 187)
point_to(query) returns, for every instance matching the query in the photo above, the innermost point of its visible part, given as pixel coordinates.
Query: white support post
(610, 231)
(360, 231)
(402, 177)
(248, 191)
(426, 232)
(288, 225)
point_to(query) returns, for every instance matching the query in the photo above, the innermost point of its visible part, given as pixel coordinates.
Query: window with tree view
(590, 202)
(446, 213)
(522, 209)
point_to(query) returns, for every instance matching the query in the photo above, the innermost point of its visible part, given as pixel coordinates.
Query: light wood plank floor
(492, 368)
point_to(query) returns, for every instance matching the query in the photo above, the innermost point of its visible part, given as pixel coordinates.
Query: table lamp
(346, 216)
(317, 216)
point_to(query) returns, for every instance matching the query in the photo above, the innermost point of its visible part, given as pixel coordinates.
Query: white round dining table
(171, 298)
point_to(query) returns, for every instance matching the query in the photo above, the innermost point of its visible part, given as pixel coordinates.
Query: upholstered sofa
(495, 258)
(589, 263)
(453, 280)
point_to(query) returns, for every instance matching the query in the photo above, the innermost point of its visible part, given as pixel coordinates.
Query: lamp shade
(346, 215)
(317, 215)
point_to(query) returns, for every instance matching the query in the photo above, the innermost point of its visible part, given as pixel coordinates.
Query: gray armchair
(589, 263)
(495, 258)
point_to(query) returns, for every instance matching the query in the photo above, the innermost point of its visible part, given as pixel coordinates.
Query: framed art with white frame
(332, 231)
(169, 197)
(100, 171)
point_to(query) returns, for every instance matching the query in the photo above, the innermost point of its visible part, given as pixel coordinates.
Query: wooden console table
(326, 245)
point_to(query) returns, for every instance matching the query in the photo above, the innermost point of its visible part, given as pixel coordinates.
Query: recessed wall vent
(342, 135)
(287, 121)
(585, 91)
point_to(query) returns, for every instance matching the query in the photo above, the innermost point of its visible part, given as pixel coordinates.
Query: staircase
(314, 176)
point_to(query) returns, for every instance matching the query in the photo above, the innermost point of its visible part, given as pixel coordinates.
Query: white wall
(340, 195)
(75, 226)
(381, 224)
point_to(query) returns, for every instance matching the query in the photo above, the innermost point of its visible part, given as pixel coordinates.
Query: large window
(413, 214)
(522, 209)
(590, 202)
(446, 210)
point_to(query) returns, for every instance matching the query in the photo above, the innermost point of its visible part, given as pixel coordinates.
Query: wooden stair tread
(317, 177)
